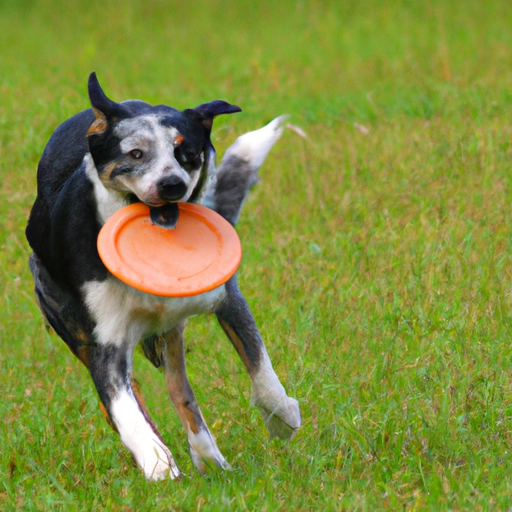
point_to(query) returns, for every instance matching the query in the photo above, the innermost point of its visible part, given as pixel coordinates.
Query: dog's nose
(171, 188)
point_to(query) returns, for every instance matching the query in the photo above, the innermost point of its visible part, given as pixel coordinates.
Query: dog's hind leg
(280, 412)
(238, 171)
(203, 449)
(65, 315)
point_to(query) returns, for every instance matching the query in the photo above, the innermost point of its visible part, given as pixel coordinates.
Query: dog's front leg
(280, 412)
(110, 367)
(203, 448)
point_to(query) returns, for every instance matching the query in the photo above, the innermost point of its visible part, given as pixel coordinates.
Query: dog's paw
(205, 453)
(253, 147)
(153, 457)
(283, 420)
(280, 412)
(159, 464)
(238, 171)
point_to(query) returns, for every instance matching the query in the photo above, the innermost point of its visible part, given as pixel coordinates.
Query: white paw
(280, 412)
(254, 146)
(283, 420)
(139, 436)
(157, 463)
(204, 451)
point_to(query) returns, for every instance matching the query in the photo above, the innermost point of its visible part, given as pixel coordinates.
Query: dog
(95, 163)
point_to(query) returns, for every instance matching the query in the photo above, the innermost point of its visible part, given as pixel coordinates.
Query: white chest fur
(126, 315)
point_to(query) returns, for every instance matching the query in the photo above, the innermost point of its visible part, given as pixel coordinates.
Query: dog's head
(156, 154)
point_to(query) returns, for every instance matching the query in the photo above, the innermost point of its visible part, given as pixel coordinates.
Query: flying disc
(201, 253)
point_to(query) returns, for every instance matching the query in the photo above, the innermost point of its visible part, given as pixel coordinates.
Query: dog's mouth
(164, 215)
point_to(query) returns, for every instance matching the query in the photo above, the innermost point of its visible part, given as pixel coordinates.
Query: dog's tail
(238, 171)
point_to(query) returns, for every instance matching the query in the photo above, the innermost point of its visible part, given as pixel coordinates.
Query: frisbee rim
(133, 271)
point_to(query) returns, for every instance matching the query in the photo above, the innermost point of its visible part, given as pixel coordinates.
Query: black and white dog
(98, 161)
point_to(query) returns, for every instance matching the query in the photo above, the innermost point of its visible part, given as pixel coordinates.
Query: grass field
(377, 253)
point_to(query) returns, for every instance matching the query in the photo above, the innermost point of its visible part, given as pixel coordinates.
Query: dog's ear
(207, 111)
(105, 110)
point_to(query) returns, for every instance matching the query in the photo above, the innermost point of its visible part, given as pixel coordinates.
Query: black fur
(235, 313)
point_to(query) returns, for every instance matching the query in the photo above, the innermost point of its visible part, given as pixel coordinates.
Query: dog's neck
(108, 200)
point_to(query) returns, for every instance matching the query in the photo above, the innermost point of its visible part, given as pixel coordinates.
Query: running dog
(96, 162)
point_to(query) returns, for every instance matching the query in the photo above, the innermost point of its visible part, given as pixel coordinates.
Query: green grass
(378, 264)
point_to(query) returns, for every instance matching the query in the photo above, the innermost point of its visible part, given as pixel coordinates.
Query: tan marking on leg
(182, 396)
(107, 417)
(203, 449)
(138, 392)
(237, 343)
(83, 355)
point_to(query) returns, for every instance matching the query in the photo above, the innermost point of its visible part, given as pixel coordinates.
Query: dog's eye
(189, 162)
(136, 153)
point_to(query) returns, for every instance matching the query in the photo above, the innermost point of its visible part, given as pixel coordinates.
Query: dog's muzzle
(171, 188)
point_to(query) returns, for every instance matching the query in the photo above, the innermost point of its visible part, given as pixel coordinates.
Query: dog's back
(62, 156)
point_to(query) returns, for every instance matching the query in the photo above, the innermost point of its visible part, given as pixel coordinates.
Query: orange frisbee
(202, 252)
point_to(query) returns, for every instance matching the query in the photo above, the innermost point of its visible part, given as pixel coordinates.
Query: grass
(377, 252)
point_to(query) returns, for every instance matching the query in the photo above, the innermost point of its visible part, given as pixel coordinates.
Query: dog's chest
(124, 314)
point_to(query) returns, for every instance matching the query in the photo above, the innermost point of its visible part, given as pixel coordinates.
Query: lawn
(377, 253)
